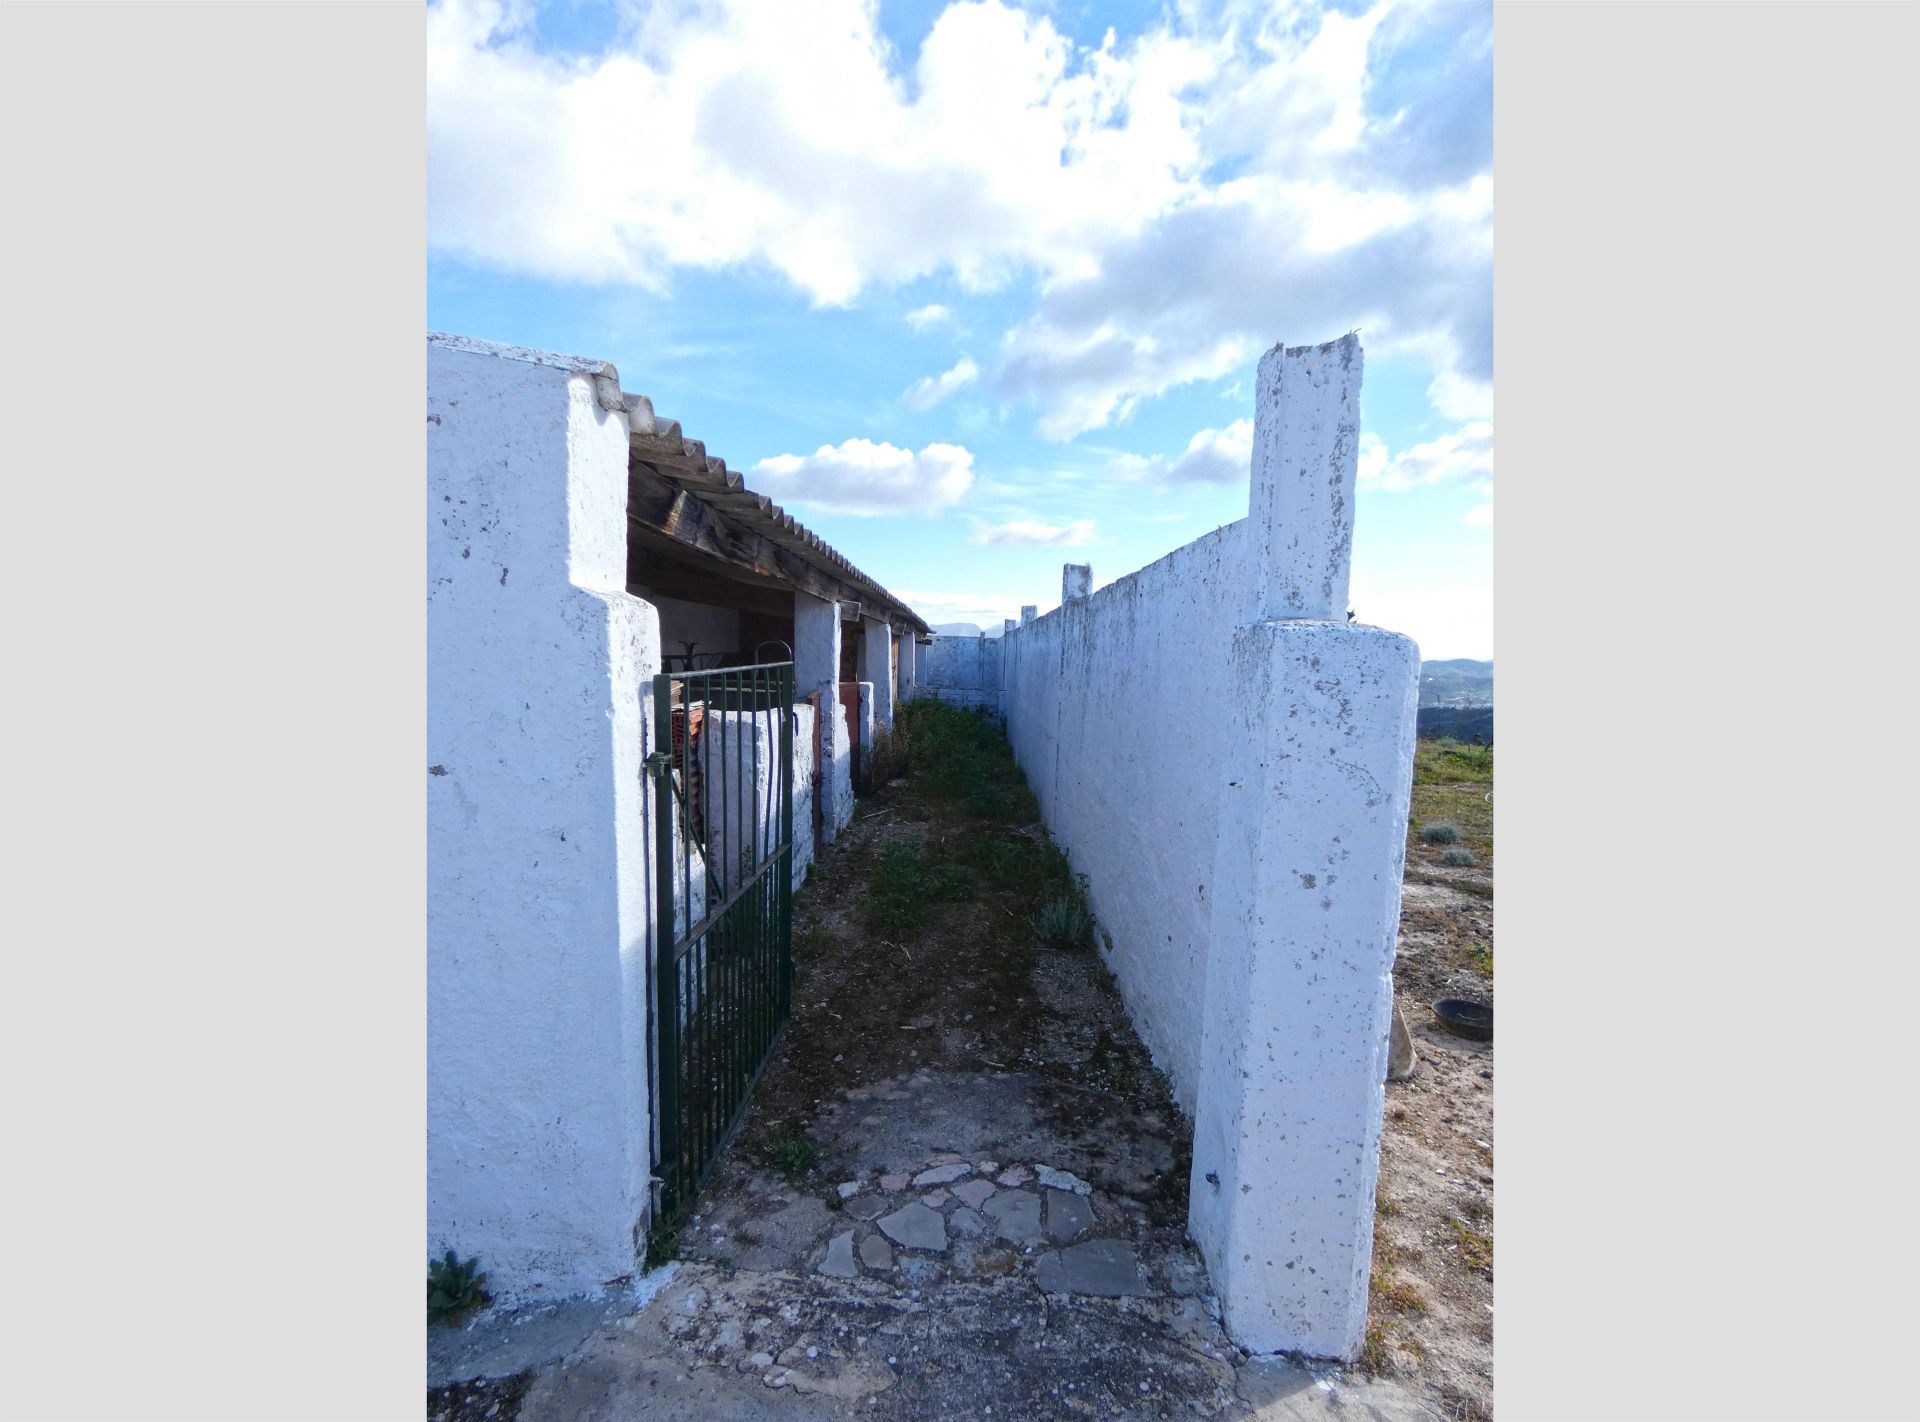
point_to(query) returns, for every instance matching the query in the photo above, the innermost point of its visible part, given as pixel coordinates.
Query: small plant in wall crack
(455, 1288)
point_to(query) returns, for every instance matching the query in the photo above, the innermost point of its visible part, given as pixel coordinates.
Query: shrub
(1062, 923)
(455, 1287)
(1441, 832)
(1458, 859)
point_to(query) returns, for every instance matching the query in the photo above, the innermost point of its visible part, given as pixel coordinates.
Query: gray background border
(211, 579)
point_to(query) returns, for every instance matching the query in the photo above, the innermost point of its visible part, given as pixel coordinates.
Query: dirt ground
(1430, 1325)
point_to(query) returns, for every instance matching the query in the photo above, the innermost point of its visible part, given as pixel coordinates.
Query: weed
(1005, 863)
(811, 940)
(892, 754)
(792, 1155)
(455, 1288)
(1458, 859)
(1384, 1207)
(1440, 832)
(1062, 923)
(1397, 1294)
(907, 882)
(663, 1246)
(1482, 956)
(1376, 1354)
(1476, 1249)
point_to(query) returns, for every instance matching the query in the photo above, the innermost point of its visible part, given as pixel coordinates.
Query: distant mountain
(1458, 683)
(961, 629)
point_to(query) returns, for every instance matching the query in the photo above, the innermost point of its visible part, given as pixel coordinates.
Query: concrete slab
(1015, 1215)
(916, 1227)
(1102, 1268)
(1281, 1391)
(502, 1342)
(943, 1174)
(839, 1261)
(1068, 1216)
(973, 1193)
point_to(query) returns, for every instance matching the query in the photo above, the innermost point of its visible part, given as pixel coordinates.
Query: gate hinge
(660, 764)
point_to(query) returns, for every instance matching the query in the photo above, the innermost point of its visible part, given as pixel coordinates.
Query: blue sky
(975, 289)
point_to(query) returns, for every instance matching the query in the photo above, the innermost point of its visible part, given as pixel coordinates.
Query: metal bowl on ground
(1466, 1018)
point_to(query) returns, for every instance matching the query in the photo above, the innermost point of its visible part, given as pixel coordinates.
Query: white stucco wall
(962, 670)
(1241, 828)
(1134, 799)
(538, 907)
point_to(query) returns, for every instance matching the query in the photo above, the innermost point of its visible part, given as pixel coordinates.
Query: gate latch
(659, 764)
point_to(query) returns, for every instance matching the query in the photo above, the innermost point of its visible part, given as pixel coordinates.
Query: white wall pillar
(1028, 611)
(1008, 625)
(816, 667)
(1306, 892)
(1299, 983)
(539, 895)
(1306, 451)
(1076, 581)
(879, 650)
(909, 666)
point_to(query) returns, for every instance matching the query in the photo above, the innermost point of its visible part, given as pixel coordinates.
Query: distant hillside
(1456, 699)
(1457, 683)
(961, 629)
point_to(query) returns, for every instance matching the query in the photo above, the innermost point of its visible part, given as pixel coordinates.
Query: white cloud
(862, 478)
(1180, 199)
(923, 317)
(985, 610)
(1479, 516)
(925, 394)
(1030, 533)
(1460, 455)
(1211, 457)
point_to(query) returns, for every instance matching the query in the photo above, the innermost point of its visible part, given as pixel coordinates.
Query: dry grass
(1396, 1293)
(1476, 1249)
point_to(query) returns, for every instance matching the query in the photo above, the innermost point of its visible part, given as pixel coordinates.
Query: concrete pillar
(909, 666)
(1009, 625)
(1028, 611)
(816, 667)
(539, 901)
(1076, 581)
(1299, 983)
(1306, 451)
(816, 643)
(1306, 893)
(879, 646)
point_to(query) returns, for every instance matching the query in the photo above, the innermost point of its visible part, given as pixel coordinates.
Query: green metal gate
(723, 843)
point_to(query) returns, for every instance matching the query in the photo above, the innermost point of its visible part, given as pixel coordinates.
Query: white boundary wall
(1229, 763)
(540, 896)
(539, 906)
(963, 670)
